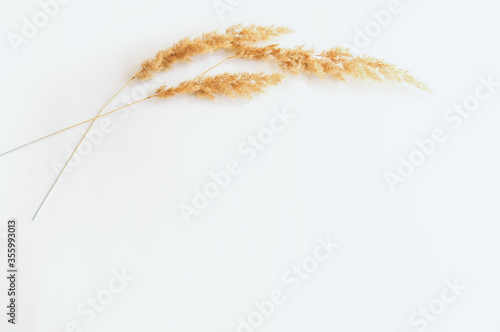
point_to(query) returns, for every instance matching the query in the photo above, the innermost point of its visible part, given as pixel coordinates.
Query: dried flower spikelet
(336, 62)
(294, 60)
(365, 66)
(186, 48)
(255, 33)
(227, 84)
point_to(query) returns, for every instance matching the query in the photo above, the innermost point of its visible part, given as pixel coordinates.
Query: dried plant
(230, 85)
(336, 62)
(182, 51)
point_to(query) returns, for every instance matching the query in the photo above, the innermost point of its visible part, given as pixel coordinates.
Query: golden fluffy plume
(230, 85)
(185, 49)
(336, 62)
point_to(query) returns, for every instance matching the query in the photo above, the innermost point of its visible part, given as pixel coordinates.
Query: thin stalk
(78, 145)
(57, 132)
(73, 126)
(214, 66)
(105, 114)
(93, 120)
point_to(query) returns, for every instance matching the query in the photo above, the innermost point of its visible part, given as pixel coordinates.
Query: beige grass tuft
(337, 62)
(227, 84)
(185, 49)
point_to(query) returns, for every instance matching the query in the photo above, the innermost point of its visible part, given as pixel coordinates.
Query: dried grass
(227, 84)
(337, 62)
(185, 49)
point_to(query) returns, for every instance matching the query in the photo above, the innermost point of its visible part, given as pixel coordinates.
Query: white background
(322, 176)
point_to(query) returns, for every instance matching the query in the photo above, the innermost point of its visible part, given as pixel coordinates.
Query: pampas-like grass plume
(336, 62)
(227, 84)
(182, 51)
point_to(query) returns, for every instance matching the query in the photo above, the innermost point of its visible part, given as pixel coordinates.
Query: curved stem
(218, 64)
(101, 115)
(57, 132)
(78, 145)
